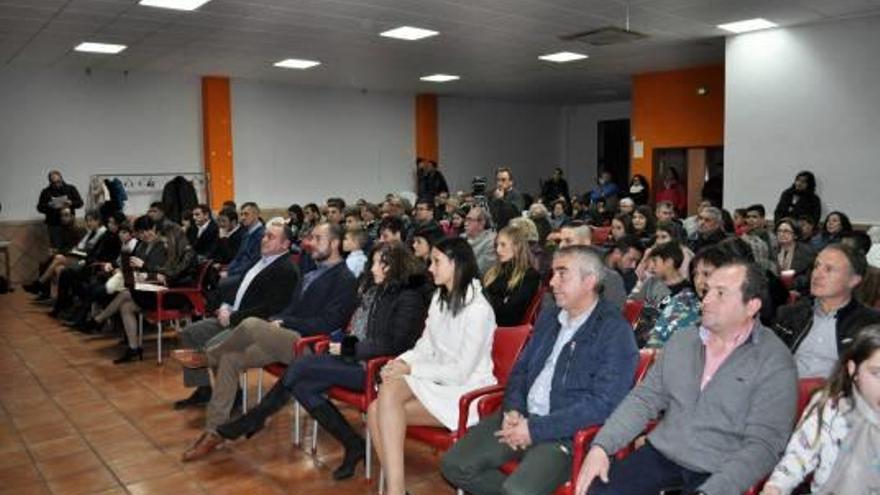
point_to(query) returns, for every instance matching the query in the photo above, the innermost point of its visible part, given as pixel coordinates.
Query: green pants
(472, 463)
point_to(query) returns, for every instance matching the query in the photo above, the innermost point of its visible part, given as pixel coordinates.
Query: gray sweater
(736, 428)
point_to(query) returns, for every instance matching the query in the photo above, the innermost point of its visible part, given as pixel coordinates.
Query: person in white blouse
(454, 356)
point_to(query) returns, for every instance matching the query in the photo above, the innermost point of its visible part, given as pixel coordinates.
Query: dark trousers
(647, 471)
(472, 463)
(309, 377)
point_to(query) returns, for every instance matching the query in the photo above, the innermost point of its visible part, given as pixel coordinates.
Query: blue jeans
(647, 471)
(309, 377)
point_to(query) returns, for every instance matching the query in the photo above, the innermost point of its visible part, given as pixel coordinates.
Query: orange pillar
(217, 131)
(426, 127)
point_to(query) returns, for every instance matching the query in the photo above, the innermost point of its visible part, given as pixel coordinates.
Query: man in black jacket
(54, 197)
(819, 328)
(203, 234)
(323, 304)
(263, 291)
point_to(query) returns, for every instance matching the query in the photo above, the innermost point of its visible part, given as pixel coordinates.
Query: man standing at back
(727, 393)
(56, 196)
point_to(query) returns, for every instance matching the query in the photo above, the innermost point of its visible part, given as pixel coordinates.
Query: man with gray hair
(576, 368)
(480, 237)
(580, 234)
(710, 229)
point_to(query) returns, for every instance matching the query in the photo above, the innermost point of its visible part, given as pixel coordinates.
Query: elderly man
(577, 234)
(323, 304)
(574, 371)
(819, 328)
(727, 393)
(480, 237)
(710, 229)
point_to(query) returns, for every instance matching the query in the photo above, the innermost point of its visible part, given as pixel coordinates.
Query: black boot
(252, 422)
(335, 423)
(89, 325)
(130, 355)
(201, 395)
(34, 287)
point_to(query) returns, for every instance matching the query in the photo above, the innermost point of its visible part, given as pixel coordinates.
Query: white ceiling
(492, 44)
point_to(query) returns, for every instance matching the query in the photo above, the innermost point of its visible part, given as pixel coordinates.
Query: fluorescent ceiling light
(297, 63)
(439, 78)
(174, 4)
(90, 47)
(409, 33)
(563, 57)
(747, 25)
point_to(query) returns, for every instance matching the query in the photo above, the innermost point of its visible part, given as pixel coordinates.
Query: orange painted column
(426, 127)
(670, 111)
(217, 131)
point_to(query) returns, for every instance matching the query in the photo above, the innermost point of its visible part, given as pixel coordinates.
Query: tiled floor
(73, 423)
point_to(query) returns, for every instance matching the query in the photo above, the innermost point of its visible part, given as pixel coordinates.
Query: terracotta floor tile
(39, 488)
(178, 484)
(57, 447)
(83, 483)
(18, 476)
(16, 458)
(133, 473)
(42, 433)
(59, 467)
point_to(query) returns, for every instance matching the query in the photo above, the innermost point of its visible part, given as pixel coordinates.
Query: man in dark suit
(262, 291)
(249, 251)
(324, 303)
(203, 233)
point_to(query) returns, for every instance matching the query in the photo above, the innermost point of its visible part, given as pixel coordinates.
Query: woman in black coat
(799, 199)
(389, 319)
(511, 283)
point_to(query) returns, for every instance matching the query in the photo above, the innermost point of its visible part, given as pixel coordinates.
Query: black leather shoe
(130, 355)
(200, 396)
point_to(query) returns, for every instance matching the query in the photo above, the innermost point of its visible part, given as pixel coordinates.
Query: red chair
(531, 313)
(582, 439)
(632, 309)
(787, 279)
(599, 235)
(162, 314)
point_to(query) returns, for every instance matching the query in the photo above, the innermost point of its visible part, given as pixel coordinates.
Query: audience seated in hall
(837, 437)
(732, 436)
(249, 250)
(393, 299)
(453, 356)
(323, 304)
(819, 328)
(578, 234)
(512, 282)
(203, 233)
(480, 236)
(558, 385)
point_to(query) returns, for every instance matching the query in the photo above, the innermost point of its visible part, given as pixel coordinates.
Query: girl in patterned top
(838, 438)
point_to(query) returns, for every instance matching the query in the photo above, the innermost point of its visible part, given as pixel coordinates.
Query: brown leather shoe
(207, 443)
(190, 358)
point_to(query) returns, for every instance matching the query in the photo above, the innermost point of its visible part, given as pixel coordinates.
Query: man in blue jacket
(575, 370)
(249, 251)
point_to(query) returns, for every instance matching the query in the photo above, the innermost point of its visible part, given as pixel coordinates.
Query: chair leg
(294, 426)
(260, 385)
(297, 434)
(140, 334)
(369, 458)
(381, 481)
(244, 391)
(314, 436)
(159, 342)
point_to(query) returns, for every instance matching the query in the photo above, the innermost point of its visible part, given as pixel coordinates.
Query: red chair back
(787, 279)
(806, 388)
(506, 346)
(531, 313)
(632, 310)
(599, 235)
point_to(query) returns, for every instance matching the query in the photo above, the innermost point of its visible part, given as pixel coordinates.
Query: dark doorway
(613, 150)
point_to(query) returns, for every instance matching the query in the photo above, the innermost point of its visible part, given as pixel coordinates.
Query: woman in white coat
(453, 356)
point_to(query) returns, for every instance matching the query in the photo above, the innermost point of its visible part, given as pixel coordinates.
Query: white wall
(477, 136)
(84, 125)
(805, 98)
(296, 144)
(580, 142)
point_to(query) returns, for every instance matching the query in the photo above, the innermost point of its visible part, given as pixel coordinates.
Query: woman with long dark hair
(387, 321)
(644, 225)
(834, 228)
(838, 437)
(511, 283)
(453, 356)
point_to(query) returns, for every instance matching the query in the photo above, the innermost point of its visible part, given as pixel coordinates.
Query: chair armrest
(322, 347)
(374, 366)
(464, 406)
(490, 403)
(582, 440)
(194, 294)
(300, 346)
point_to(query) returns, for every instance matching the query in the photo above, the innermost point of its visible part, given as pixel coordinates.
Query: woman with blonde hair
(511, 283)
